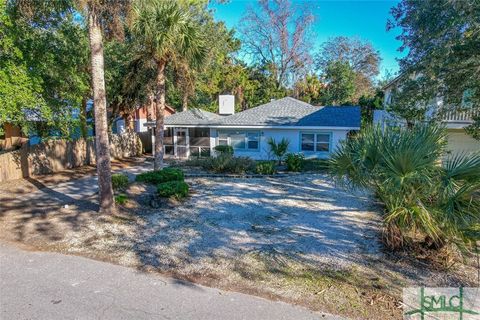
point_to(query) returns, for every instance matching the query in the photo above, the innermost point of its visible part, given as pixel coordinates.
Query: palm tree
(101, 16)
(431, 198)
(165, 32)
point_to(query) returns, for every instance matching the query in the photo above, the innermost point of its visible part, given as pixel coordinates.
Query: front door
(181, 143)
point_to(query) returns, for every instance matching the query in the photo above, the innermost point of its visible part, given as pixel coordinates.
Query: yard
(296, 238)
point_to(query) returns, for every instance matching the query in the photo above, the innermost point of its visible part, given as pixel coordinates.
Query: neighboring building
(455, 122)
(140, 117)
(314, 131)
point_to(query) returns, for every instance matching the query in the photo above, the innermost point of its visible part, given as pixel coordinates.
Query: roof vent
(226, 104)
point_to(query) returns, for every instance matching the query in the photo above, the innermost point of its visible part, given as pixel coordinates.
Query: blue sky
(364, 19)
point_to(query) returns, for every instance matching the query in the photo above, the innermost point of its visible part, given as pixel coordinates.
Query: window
(240, 140)
(315, 142)
(308, 141)
(253, 140)
(222, 139)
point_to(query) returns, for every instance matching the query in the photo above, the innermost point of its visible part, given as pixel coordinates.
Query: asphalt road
(42, 285)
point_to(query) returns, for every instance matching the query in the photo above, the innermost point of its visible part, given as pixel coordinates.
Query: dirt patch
(299, 239)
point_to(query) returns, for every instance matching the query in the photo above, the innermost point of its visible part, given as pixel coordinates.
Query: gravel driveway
(303, 216)
(297, 238)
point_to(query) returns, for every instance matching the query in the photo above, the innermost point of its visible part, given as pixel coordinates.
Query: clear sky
(364, 19)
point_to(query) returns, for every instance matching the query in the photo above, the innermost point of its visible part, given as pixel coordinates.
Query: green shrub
(224, 149)
(295, 162)
(175, 189)
(278, 149)
(265, 167)
(119, 181)
(159, 176)
(427, 203)
(226, 163)
(315, 165)
(121, 199)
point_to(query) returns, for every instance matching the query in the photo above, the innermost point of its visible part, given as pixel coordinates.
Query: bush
(226, 163)
(160, 176)
(175, 189)
(224, 149)
(426, 204)
(315, 165)
(279, 149)
(265, 167)
(121, 199)
(295, 162)
(119, 181)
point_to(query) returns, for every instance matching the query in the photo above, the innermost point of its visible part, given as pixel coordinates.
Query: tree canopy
(443, 59)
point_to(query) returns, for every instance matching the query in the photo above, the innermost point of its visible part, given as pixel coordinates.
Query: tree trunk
(185, 102)
(160, 114)
(83, 118)
(102, 146)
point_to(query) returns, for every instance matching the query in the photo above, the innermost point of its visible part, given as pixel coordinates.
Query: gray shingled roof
(192, 117)
(282, 112)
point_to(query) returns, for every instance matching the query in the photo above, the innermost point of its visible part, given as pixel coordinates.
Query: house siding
(293, 135)
(459, 142)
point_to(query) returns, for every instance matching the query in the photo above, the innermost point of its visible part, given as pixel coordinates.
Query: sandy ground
(299, 239)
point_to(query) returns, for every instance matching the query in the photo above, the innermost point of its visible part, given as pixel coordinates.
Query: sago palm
(165, 32)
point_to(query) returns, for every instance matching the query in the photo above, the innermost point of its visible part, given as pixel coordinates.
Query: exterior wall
(141, 117)
(460, 142)
(293, 135)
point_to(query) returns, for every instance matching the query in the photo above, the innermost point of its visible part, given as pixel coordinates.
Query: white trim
(263, 127)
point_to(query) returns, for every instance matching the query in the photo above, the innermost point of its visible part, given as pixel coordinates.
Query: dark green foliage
(119, 181)
(441, 38)
(427, 202)
(265, 167)
(226, 163)
(121, 199)
(160, 176)
(175, 189)
(224, 149)
(295, 162)
(319, 165)
(278, 149)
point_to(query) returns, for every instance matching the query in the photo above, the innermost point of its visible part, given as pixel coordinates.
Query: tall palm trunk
(185, 102)
(102, 146)
(160, 114)
(83, 119)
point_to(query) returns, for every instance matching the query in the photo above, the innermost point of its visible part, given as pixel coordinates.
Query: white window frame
(315, 141)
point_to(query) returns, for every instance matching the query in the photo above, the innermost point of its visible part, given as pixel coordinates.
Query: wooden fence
(57, 155)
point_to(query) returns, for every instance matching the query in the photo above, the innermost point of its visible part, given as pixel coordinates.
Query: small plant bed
(160, 176)
(169, 184)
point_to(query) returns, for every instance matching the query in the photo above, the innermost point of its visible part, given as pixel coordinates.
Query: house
(312, 130)
(455, 121)
(141, 115)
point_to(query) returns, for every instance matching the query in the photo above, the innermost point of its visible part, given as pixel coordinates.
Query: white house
(312, 130)
(455, 122)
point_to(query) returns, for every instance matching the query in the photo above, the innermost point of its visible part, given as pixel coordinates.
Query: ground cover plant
(173, 189)
(295, 162)
(119, 181)
(265, 167)
(160, 176)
